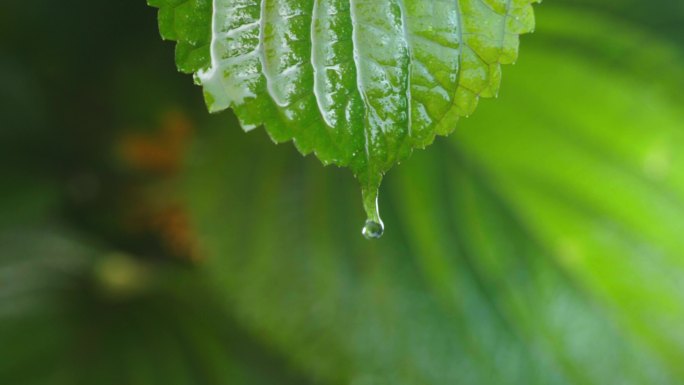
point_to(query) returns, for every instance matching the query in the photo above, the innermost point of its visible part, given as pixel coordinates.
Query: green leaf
(540, 248)
(360, 83)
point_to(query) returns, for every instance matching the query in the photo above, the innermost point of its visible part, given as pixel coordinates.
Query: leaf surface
(360, 83)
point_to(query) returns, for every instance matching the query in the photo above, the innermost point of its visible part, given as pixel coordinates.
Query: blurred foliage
(143, 241)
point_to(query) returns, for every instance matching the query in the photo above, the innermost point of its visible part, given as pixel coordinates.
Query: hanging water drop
(373, 230)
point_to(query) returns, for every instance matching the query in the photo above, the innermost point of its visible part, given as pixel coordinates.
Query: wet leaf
(359, 83)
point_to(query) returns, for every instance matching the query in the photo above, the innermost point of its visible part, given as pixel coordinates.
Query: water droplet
(373, 230)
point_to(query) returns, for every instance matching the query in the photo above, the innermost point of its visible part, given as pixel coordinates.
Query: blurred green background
(143, 241)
